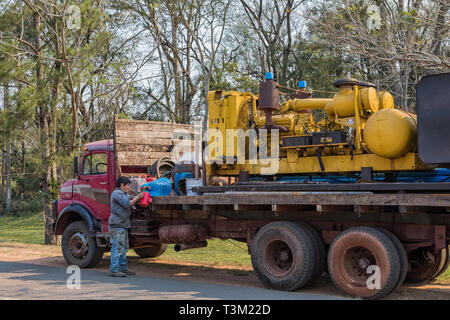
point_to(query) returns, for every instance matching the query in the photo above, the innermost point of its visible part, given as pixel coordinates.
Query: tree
(395, 42)
(271, 21)
(56, 70)
(187, 36)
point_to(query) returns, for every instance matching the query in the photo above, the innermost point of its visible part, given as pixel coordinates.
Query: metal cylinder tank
(386, 100)
(391, 133)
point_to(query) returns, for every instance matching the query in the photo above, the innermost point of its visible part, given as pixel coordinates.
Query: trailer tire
(320, 252)
(154, 251)
(283, 256)
(446, 264)
(402, 254)
(79, 247)
(421, 271)
(352, 253)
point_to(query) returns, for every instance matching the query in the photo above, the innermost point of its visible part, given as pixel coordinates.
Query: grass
(24, 229)
(30, 229)
(218, 252)
(445, 277)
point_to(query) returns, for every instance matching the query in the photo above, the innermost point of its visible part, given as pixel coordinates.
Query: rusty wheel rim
(278, 258)
(356, 262)
(78, 245)
(425, 265)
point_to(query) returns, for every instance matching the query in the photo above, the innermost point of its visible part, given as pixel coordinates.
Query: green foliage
(123, 116)
(228, 76)
(23, 207)
(26, 228)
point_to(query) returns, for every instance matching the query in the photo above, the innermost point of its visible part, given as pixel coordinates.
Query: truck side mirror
(75, 166)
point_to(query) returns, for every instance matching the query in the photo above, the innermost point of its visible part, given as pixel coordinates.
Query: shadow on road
(158, 279)
(35, 281)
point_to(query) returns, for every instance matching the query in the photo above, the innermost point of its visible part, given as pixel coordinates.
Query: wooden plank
(146, 155)
(153, 142)
(311, 198)
(142, 142)
(149, 123)
(141, 136)
(156, 126)
(164, 133)
(147, 148)
(161, 138)
(142, 155)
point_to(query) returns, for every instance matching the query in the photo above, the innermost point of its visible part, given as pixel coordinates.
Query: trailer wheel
(353, 252)
(154, 251)
(402, 254)
(446, 264)
(319, 249)
(283, 256)
(426, 266)
(79, 247)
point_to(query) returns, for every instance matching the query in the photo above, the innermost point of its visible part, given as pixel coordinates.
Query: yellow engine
(361, 129)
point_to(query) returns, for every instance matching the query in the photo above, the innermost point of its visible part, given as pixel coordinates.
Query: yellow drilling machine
(360, 134)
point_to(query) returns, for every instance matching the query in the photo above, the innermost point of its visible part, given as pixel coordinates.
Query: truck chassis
(415, 218)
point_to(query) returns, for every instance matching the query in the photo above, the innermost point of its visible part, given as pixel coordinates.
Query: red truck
(417, 220)
(293, 230)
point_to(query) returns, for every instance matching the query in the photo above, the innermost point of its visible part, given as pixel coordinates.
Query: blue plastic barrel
(180, 176)
(158, 188)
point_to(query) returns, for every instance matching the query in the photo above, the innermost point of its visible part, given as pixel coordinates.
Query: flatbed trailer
(416, 215)
(417, 219)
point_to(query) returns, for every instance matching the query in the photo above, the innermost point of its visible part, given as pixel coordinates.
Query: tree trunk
(441, 27)
(8, 154)
(179, 108)
(23, 157)
(8, 178)
(3, 169)
(44, 135)
(53, 118)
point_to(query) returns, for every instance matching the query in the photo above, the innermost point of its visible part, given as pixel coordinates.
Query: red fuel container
(145, 202)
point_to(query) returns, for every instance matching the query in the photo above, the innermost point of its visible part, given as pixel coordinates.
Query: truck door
(93, 187)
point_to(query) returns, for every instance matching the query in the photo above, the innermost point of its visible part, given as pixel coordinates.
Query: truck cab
(82, 211)
(94, 182)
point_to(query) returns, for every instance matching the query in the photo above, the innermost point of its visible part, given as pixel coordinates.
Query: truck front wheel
(154, 251)
(79, 248)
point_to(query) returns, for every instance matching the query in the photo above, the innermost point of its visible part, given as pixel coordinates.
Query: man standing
(118, 225)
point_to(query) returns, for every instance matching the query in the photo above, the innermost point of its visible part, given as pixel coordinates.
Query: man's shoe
(118, 274)
(128, 272)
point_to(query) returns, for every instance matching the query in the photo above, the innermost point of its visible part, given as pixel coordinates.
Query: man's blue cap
(302, 84)
(269, 76)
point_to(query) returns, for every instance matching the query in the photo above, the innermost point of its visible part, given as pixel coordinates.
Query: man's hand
(137, 198)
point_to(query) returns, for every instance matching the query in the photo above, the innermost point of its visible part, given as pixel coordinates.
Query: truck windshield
(95, 164)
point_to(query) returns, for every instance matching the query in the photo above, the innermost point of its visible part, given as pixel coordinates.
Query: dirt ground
(218, 274)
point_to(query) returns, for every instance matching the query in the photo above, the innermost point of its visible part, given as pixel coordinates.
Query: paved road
(31, 281)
